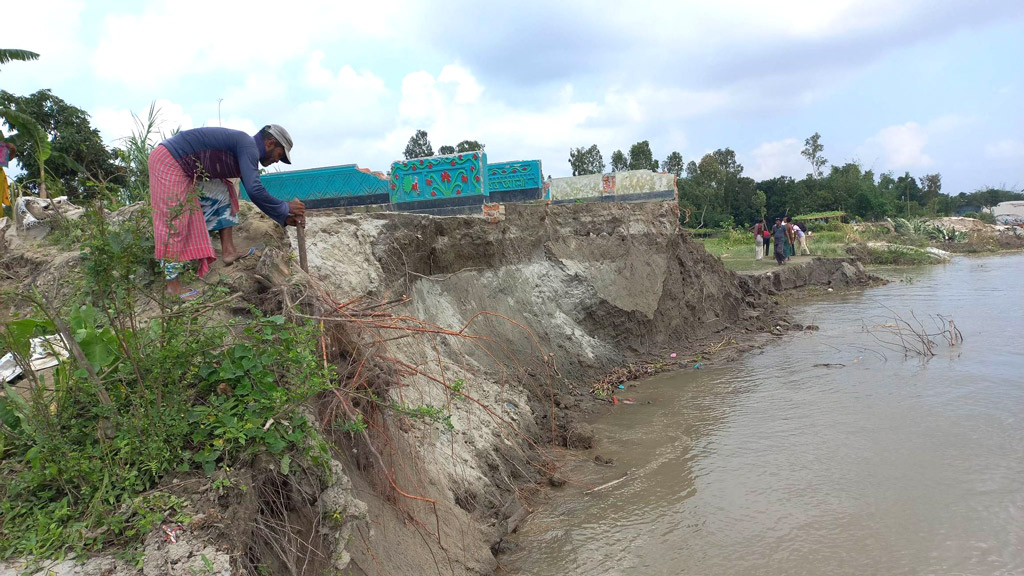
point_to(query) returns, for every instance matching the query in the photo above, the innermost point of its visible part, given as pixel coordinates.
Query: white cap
(283, 138)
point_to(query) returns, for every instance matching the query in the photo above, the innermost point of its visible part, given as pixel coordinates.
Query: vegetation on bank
(895, 241)
(83, 449)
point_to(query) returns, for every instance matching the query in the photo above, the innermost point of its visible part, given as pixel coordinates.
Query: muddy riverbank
(824, 452)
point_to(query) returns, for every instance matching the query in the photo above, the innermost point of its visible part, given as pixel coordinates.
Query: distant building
(1009, 212)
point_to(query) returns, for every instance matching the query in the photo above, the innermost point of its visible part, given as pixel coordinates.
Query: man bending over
(183, 216)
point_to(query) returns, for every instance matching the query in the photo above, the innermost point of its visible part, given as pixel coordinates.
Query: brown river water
(773, 466)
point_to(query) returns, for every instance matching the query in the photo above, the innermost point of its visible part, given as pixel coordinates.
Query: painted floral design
(444, 177)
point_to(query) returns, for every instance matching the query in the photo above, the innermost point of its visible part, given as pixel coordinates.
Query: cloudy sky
(903, 85)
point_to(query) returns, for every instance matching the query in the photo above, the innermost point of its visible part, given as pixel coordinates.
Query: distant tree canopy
(468, 146)
(716, 193)
(619, 161)
(418, 146)
(74, 144)
(586, 161)
(446, 150)
(674, 164)
(641, 157)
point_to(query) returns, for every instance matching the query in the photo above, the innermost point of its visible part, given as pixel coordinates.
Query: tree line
(419, 146)
(713, 192)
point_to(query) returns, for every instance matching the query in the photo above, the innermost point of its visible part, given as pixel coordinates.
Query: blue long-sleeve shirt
(208, 153)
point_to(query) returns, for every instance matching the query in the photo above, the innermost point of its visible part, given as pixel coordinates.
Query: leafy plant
(141, 398)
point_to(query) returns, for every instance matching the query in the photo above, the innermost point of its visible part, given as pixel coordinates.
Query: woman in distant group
(759, 240)
(790, 249)
(779, 237)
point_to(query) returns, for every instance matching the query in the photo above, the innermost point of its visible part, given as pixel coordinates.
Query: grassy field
(896, 243)
(736, 248)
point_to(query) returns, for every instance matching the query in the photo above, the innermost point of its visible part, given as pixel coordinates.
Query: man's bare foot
(229, 257)
(252, 250)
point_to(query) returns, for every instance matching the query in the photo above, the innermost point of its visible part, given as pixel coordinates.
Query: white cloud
(421, 100)
(899, 147)
(467, 89)
(779, 158)
(1006, 150)
(167, 41)
(115, 124)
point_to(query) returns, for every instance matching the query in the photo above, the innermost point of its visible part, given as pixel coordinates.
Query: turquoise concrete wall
(518, 175)
(333, 182)
(439, 177)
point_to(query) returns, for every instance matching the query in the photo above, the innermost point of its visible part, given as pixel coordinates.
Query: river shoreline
(582, 473)
(788, 287)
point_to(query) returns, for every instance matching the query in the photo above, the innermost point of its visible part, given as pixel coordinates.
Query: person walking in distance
(758, 240)
(800, 240)
(779, 237)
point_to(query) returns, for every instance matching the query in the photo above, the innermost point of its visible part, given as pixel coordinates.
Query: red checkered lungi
(178, 225)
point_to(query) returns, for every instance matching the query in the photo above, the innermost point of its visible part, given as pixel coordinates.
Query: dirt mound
(826, 272)
(965, 224)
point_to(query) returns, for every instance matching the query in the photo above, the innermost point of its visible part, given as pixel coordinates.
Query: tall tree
(619, 161)
(673, 164)
(76, 146)
(641, 157)
(418, 146)
(726, 159)
(586, 161)
(931, 187)
(468, 146)
(702, 193)
(446, 150)
(812, 151)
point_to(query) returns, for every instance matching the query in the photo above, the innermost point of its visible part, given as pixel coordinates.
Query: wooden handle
(301, 232)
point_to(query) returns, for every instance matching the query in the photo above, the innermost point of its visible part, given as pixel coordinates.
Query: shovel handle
(300, 231)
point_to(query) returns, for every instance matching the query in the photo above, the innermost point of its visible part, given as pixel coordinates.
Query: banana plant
(23, 123)
(26, 126)
(12, 54)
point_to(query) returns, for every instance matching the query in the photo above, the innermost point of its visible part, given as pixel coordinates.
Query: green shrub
(986, 217)
(84, 452)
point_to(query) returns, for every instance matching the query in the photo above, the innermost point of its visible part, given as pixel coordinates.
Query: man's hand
(295, 221)
(296, 208)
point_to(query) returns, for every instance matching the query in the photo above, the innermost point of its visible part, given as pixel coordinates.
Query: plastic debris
(9, 369)
(697, 366)
(47, 352)
(171, 532)
(622, 386)
(672, 355)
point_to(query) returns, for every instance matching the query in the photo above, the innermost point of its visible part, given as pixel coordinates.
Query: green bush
(986, 217)
(84, 452)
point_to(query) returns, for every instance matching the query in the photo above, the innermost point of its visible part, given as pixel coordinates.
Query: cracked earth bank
(514, 321)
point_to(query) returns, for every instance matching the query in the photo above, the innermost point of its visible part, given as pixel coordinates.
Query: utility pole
(219, 100)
